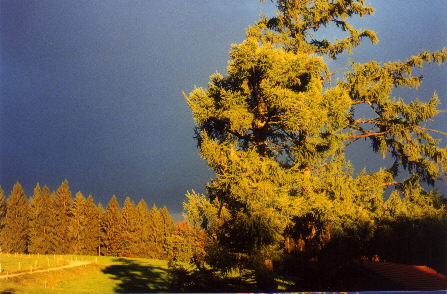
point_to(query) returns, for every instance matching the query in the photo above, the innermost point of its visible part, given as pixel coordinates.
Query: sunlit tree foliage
(78, 224)
(111, 228)
(34, 226)
(14, 234)
(2, 211)
(61, 209)
(93, 215)
(275, 130)
(38, 235)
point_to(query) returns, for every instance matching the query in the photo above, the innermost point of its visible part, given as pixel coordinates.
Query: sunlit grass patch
(104, 274)
(43, 282)
(15, 263)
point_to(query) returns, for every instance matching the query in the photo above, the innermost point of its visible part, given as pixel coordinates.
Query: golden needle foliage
(275, 128)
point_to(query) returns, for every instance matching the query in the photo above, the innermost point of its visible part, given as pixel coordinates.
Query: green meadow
(108, 274)
(104, 274)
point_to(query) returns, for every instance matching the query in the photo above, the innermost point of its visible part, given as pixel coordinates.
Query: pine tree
(111, 229)
(275, 129)
(16, 222)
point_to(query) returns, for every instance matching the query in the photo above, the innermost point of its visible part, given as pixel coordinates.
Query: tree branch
(329, 77)
(432, 130)
(359, 102)
(368, 135)
(235, 134)
(383, 185)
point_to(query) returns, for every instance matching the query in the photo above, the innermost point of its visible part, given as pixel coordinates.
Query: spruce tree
(101, 212)
(155, 233)
(78, 225)
(93, 227)
(62, 204)
(275, 130)
(2, 206)
(46, 230)
(112, 229)
(54, 240)
(14, 235)
(161, 227)
(186, 244)
(2, 215)
(144, 230)
(130, 228)
(42, 226)
(165, 231)
(37, 221)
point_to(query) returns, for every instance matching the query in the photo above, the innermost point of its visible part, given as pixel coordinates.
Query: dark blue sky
(91, 90)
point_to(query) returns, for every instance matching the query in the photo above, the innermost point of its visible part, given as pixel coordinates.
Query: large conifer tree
(275, 129)
(16, 222)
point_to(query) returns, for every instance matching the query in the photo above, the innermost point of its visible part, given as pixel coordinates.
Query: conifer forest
(284, 201)
(58, 222)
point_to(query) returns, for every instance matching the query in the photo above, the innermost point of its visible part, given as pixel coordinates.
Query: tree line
(55, 222)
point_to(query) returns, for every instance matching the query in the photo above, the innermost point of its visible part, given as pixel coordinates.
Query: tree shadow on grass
(134, 276)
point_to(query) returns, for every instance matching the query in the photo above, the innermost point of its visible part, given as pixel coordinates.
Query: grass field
(103, 275)
(13, 263)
